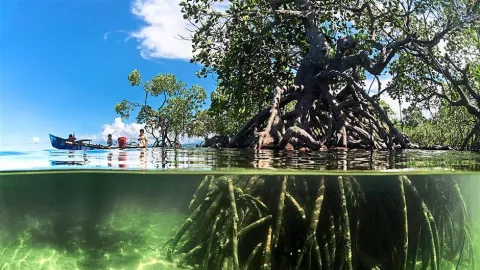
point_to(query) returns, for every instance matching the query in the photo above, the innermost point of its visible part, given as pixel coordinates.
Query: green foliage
(412, 117)
(176, 113)
(135, 78)
(252, 49)
(202, 124)
(215, 121)
(243, 51)
(227, 121)
(387, 109)
(432, 79)
(449, 126)
(181, 109)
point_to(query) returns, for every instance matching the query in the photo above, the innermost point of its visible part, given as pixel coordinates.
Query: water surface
(199, 159)
(112, 209)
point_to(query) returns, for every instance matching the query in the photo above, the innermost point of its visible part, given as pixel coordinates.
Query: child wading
(109, 140)
(142, 139)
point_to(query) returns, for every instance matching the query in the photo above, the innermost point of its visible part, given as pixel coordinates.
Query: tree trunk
(322, 119)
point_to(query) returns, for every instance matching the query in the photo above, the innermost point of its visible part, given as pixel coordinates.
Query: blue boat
(61, 143)
(64, 144)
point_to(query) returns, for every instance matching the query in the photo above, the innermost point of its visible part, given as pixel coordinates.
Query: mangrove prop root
(281, 202)
(173, 242)
(190, 254)
(325, 118)
(257, 202)
(251, 256)
(432, 245)
(210, 243)
(311, 234)
(205, 184)
(404, 220)
(254, 225)
(252, 222)
(345, 225)
(234, 225)
(267, 252)
(318, 257)
(297, 206)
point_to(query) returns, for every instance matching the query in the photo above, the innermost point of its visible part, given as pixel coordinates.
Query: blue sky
(64, 63)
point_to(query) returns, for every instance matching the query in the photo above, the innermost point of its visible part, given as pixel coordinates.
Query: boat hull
(61, 143)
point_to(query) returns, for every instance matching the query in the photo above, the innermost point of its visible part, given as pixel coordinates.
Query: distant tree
(412, 116)
(176, 114)
(387, 109)
(450, 126)
(203, 124)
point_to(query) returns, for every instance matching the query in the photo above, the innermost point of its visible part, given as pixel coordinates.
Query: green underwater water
(98, 220)
(90, 221)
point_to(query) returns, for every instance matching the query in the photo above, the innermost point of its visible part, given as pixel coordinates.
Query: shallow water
(94, 220)
(118, 209)
(235, 160)
(90, 221)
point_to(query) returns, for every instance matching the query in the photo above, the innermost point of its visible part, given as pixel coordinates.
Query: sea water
(219, 209)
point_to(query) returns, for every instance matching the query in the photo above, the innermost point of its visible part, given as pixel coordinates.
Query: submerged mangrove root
(393, 222)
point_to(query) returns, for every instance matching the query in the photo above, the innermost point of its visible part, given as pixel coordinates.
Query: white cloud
(160, 37)
(108, 34)
(131, 131)
(120, 129)
(92, 137)
(36, 139)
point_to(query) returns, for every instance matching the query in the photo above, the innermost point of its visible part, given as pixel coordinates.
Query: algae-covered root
(311, 233)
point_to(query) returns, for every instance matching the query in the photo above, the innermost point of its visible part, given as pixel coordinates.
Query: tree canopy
(449, 126)
(323, 51)
(175, 116)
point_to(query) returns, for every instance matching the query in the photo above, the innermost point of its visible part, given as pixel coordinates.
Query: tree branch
(280, 2)
(293, 13)
(377, 107)
(450, 28)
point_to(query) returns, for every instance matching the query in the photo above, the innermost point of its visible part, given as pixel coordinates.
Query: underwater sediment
(325, 222)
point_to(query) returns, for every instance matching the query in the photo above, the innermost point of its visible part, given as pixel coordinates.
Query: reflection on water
(234, 159)
(92, 220)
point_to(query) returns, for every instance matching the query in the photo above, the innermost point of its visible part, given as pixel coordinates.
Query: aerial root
(208, 256)
(326, 223)
(319, 120)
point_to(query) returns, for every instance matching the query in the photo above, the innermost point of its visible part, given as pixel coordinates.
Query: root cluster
(321, 119)
(287, 222)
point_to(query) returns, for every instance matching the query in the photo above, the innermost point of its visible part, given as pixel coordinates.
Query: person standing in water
(109, 140)
(142, 139)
